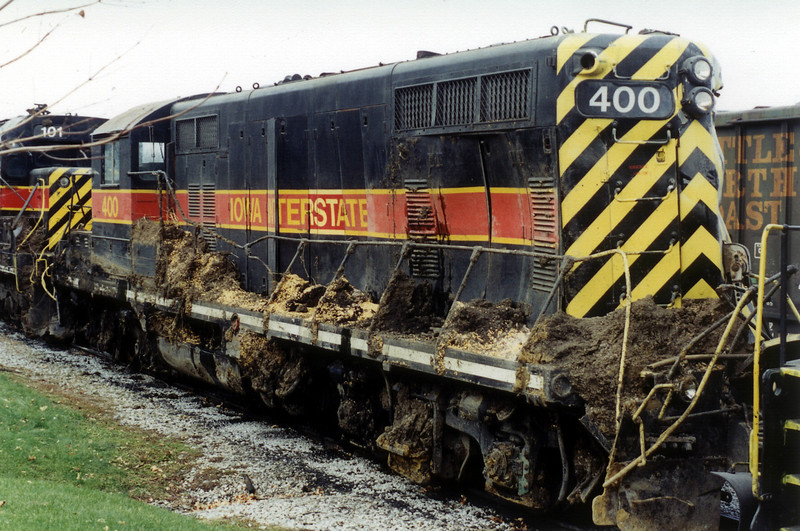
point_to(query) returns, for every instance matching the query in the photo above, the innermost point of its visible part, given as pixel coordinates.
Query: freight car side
(760, 185)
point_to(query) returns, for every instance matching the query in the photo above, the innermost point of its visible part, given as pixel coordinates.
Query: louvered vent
(209, 207)
(422, 228)
(545, 230)
(414, 107)
(195, 202)
(455, 102)
(202, 209)
(505, 96)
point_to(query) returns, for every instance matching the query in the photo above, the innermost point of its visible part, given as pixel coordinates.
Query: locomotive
(45, 183)
(501, 267)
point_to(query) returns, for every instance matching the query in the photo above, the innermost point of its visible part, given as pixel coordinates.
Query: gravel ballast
(295, 481)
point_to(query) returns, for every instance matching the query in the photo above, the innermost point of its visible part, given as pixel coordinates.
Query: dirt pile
(338, 303)
(344, 304)
(295, 295)
(409, 308)
(186, 269)
(481, 326)
(589, 349)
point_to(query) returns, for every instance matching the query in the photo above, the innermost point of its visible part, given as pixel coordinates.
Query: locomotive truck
(504, 267)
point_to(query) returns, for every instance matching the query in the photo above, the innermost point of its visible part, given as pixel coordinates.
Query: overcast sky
(161, 49)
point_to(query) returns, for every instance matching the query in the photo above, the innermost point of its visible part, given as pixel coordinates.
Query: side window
(110, 164)
(151, 156)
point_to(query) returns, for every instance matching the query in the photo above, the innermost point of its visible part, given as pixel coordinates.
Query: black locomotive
(493, 266)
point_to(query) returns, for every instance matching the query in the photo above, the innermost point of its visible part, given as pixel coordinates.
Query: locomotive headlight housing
(698, 102)
(587, 62)
(698, 70)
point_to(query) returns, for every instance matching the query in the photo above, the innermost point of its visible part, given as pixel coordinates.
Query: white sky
(161, 49)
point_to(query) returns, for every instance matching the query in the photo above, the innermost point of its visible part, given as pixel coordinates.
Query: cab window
(110, 173)
(151, 156)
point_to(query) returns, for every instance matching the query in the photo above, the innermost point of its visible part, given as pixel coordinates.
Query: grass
(69, 469)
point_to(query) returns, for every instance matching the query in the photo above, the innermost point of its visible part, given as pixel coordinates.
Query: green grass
(61, 468)
(39, 504)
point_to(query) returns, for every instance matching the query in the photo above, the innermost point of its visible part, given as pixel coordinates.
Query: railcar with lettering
(760, 184)
(505, 267)
(760, 207)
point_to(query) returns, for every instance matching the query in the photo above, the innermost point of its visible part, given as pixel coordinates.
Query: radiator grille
(469, 101)
(455, 102)
(195, 202)
(207, 132)
(414, 107)
(185, 134)
(197, 133)
(505, 96)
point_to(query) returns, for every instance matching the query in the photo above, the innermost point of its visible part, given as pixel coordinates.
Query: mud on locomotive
(494, 266)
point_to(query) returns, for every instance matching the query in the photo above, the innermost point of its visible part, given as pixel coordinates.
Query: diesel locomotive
(505, 267)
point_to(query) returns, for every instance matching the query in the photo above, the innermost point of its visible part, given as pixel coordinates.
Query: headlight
(699, 70)
(698, 102)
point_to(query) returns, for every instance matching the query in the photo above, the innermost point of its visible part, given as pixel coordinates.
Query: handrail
(754, 434)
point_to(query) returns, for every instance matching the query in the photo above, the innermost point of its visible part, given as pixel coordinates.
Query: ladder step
(791, 479)
(794, 372)
(792, 424)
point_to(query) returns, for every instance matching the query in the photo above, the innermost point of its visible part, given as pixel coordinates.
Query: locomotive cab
(130, 166)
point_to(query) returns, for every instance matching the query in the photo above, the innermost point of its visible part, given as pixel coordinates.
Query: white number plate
(624, 99)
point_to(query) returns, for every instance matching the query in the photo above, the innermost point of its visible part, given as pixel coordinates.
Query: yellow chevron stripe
(73, 218)
(598, 230)
(56, 175)
(701, 290)
(700, 243)
(705, 140)
(698, 190)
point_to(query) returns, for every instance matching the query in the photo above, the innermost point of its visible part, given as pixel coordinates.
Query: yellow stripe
(661, 273)
(701, 290)
(615, 211)
(464, 190)
(580, 305)
(698, 190)
(56, 175)
(596, 177)
(55, 217)
(509, 191)
(700, 243)
(697, 135)
(574, 146)
(114, 221)
(569, 46)
(610, 56)
(663, 60)
(614, 268)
